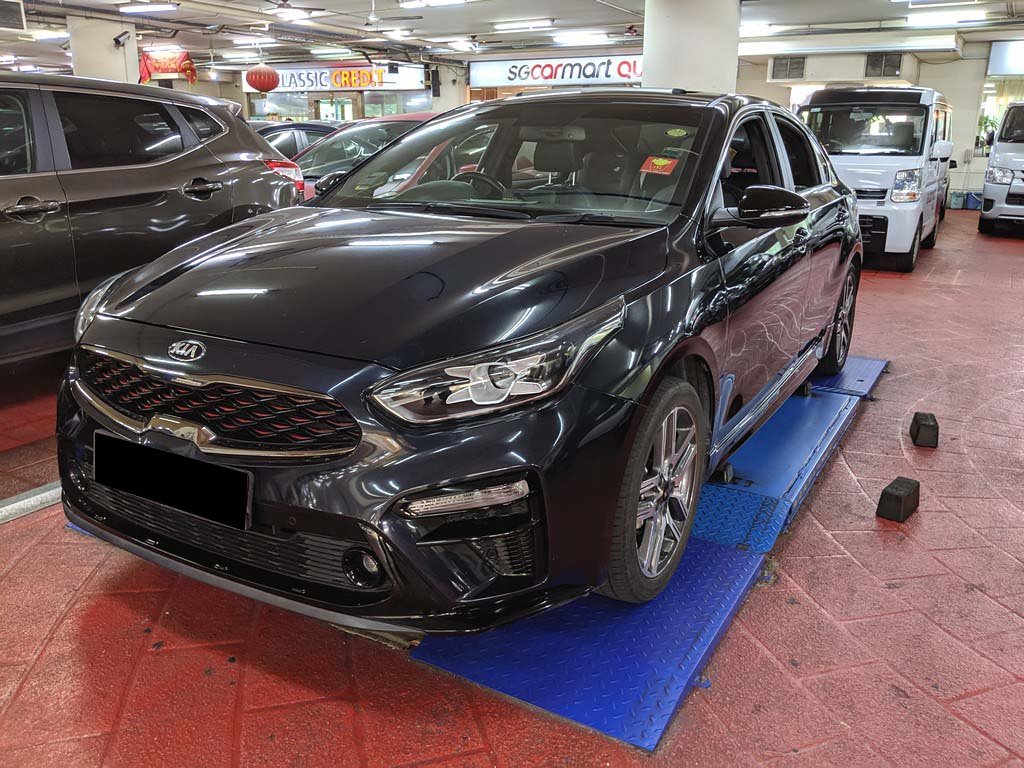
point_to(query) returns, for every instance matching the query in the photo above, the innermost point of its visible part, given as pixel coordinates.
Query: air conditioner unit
(12, 15)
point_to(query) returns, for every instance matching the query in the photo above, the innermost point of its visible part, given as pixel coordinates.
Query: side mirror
(329, 181)
(764, 207)
(942, 150)
(953, 165)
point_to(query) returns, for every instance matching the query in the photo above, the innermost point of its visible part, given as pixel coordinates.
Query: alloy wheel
(667, 492)
(844, 320)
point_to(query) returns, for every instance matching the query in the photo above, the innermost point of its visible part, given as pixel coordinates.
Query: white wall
(752, 79)
(453, 94)
(93, 53)
(961, 81)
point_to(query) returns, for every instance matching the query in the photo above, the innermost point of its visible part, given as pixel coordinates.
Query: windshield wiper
(597, 218)
(465, 209)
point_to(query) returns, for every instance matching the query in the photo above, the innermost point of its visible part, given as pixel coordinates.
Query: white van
(1004, 177)
(892, 147)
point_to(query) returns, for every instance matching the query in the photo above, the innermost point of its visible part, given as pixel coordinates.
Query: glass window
(343, 149)
(868, 129)
(105, 131)
(204, 125)
(540, 159)
(883, 65)
(17, 152)
(750, 161)
(285, 142)
(1013, 125)
(800, 154)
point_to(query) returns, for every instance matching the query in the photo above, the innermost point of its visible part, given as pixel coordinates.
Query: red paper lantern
(263, 78)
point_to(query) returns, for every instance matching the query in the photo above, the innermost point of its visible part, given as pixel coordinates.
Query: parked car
(443, 406)
(291, 138)
(97, 177)
(343, 149)
(892, 146)
(1003, 197)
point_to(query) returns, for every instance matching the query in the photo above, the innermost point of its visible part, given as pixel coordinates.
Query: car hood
(872, 172)
(1007, 155)
(397, 289)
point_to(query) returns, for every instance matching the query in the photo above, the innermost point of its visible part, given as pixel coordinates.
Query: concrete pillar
(454, 88)
(691, 44)
(93, 53)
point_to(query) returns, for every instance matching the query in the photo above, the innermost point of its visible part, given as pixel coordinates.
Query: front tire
(929, 242)
(987, 226)
(659, 493)
(905, 262)
(842, 333)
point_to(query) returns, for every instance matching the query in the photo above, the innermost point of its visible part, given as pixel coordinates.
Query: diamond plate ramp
(858, 377)
(623, 669)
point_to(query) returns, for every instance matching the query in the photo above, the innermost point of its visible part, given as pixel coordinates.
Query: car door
(766, 273)
(137, 178)
(810, 177)
(38, 291)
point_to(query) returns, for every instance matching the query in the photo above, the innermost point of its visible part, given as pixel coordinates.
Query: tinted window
(104, 131)
(285, 142)
(313, 136)
(750, 161)
(800, 154)
(1013, 125)
(17, 153)
(204, 126)
(349, 145)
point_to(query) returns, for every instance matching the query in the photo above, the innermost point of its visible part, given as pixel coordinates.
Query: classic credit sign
(357, 78)
(580, 70)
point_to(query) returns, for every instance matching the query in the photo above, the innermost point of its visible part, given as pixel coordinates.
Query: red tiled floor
(879, 644)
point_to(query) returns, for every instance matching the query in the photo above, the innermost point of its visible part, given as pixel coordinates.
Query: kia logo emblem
(187, 350)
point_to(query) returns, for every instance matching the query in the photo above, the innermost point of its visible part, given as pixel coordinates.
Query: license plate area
(212, 492)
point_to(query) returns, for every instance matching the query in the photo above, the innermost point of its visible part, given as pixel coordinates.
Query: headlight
(907, 187)
(501, 377)
(998, 175)
(87, 312)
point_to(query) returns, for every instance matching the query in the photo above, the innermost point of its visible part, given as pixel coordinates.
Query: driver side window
(749, 160)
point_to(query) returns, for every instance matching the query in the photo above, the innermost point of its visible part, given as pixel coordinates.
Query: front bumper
(1003, 201)
(442, 575)
(888, 227)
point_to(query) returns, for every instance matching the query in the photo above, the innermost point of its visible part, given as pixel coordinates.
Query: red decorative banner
(167, 63)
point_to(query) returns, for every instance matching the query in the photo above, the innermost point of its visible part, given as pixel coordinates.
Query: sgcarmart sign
(582, 70)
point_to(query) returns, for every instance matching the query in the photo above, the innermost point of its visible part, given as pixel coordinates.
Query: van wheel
(905, 262)
(658, 497)
(929, 242)
(987, 226)
(942, 211)
(842, 329)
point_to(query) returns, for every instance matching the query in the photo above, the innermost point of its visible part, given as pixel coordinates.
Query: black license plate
(210, 491)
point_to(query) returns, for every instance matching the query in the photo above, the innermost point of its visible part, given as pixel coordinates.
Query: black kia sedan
(447, 395)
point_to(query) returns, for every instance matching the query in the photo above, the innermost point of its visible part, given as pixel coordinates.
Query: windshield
(571, 160)
(343, 149)
(1013, 125)
(868, 129)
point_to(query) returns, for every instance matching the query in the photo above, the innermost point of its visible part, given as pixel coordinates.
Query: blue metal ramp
(623, 669)
(858, 377)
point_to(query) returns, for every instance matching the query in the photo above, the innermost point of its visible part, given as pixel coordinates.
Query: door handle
(32, 206)
(802, 237)
(198, 187)
(842, 216)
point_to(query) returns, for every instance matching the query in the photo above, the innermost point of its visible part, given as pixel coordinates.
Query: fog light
(77, 476)
(362, 568)
(481, 497)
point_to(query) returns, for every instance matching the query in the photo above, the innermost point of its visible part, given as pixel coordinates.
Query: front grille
(303, 556)
(871, 194)
(511, 554)
(874, 230)
(1014, 199)
(241, 417)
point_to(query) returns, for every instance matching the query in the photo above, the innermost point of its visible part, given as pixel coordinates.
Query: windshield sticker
(660, 165)
(677, 133)
(672, 152)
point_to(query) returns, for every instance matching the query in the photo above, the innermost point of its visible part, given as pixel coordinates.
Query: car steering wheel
(470, 176)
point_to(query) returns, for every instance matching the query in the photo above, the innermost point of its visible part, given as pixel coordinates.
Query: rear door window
(285, 142)
(106, 131)
(801, 158)
(17, 149)
(203, 124)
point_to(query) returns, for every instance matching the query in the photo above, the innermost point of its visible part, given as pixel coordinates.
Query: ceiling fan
(285, 7)
(372, 17)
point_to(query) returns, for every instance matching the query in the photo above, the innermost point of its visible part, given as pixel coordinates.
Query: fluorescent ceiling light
(26, 68)
(147, 8)
(581, 38)
(330, 51)
(428, 3)
(755, 30)
(944, 18)
(239, 55)
(253, 40)
(523, 26)
(463, 45)
(396, 34)
(8, 59)
(48, 34)
(163, 49)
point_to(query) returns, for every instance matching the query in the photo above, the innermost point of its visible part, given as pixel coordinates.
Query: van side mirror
(942, 150)
(764, 207)
(329, 181)
(953, 165)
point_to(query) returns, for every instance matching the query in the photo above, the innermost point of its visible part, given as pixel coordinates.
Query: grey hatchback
(98, 177)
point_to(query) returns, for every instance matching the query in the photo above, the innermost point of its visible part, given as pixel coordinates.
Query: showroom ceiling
(236, 33)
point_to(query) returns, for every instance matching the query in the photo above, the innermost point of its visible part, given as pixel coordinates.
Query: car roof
(891, 94)
(111, 86)
(732, 102)
(406, 117)
(273, 126)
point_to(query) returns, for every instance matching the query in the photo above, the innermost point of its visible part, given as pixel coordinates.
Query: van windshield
(868, 129)
(1013, 125)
